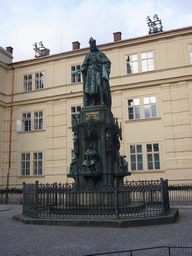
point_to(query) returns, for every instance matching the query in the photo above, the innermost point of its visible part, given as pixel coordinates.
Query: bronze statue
(96, 70)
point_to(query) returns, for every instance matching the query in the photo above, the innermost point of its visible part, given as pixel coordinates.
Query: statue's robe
(96, 70)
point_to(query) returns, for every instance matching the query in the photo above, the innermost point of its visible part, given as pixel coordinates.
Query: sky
(58, 23)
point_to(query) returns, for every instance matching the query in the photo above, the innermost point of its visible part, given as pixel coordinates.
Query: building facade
(151, 86)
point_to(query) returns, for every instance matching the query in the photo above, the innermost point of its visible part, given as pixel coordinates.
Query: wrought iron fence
(160, 250)
(129, 200)
(180, 192)
(13, 194)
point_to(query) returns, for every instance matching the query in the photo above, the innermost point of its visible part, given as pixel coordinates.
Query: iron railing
(159, 250)
(13, 194)
(129, 200)
(180, 192)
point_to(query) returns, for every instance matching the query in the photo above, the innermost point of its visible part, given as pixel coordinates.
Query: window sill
(31, 176)
(143, 119)
(148, 171)
(40, 130)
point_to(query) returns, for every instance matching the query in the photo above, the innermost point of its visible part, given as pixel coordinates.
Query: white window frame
(147, 61)
(137, 156)
(37, 163)
(27, 82)
(134, 107)
(153, 156)
(75, 78)
(33, 81)
(34, 121)
(132, 64)
(75, 113)
(24, 162)
(38, 120)
(26, 122)
(39, 80)
(150, 106)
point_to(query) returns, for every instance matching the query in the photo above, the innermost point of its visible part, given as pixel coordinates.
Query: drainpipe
(10, 133)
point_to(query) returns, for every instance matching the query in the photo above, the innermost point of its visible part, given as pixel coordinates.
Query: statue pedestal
(96, 146)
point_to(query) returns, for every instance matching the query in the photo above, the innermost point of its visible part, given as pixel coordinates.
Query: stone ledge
(169, 218)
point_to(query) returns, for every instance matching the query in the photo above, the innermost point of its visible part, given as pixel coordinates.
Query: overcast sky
(58, 23)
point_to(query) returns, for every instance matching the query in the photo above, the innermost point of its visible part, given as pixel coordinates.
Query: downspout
(10, 133)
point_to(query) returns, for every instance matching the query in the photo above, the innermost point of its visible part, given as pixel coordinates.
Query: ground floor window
(31, 161)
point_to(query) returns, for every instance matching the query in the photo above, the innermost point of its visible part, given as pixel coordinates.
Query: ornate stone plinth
(96, 146)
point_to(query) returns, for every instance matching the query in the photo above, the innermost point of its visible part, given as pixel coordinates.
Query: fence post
(24, 200)
(36, 198)
(162, 196)
(116, 200)
(55, 203)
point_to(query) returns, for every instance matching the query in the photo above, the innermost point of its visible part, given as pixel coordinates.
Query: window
(153, 159)
(39, 80)
(136, 157)
(27, 83)
(38, 120)
(75, 114)
(132, 64)
(33, 81)
(190, 53)
(133, 109)
(150, 107)
(37, 163)
(75, 78)
(147, 61)
(30, 121)
(25, 164)
(26, 121)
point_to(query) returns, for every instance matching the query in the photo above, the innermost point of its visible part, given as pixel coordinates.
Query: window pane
(153, 99)
(150, 165)
(139, 148)
(133, 159)
(156, 157)
(137, 112)
(136, 102)
(131, 113)
(130, 102)
(146, 100)
(28, 156)
(143, 55)
(22, 156)
(132, 149)
(140, 166)
(156, 147)
(73, 68)
(40, 155)
(150, 54)
(147, 111)
(154, 110)
(157, 165)
(149, 157)
(35, 156)
(128, 68)
(133, 166)
(149, 147)
(72, 109)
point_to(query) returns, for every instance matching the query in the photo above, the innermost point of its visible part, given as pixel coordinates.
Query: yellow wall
(170, 82)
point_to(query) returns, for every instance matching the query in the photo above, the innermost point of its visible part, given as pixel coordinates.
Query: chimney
(76, 45)
(117, 36)
(9, 49)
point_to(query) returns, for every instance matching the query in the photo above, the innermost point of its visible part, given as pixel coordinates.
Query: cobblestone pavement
(17, 239)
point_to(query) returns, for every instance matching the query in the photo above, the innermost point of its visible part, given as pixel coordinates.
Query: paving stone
(18, 239)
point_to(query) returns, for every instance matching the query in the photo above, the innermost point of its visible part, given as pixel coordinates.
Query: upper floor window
(140, 62)
(145, 107)
(26, 121)
(25, 164)
(153, 159)
(39, 80)
(34, 81)
(27, 83)
(134, 109)
(30, 121)
(147, 63)
(136, 157)
(37, 163)
(38, 120)
(75, 78)
(132, 64)
(190, 53)
(75, 114)
(150, 108)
